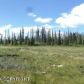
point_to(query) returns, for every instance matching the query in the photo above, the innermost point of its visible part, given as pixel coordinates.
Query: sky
(63, 14)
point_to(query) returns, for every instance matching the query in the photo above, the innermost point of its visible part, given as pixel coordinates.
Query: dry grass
(42, 64)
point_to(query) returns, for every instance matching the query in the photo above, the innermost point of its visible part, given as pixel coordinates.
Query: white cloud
(73, 19)
(16, 30)
(48, 26)
(32, 14)
(4, 28)
(39, 19)
(43, 20)
(7, 26)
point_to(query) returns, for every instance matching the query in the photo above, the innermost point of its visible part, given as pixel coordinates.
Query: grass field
(42, 65)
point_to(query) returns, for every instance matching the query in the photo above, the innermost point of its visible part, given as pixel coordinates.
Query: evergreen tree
(27, 39)
(43, 35)
(22, 36)
(55, 38)
(1, 39)
(37, 36)
(59, 38)
(32, 39)
(49, 38)
(15, 40)
(52, 43)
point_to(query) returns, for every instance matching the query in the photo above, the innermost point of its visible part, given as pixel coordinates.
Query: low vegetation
(42, 64)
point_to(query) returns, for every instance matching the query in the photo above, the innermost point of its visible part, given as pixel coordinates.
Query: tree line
(42, 37)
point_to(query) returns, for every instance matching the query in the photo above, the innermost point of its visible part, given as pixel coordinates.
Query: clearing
(41, 64)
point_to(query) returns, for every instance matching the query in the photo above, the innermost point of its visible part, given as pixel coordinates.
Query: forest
(42, 37)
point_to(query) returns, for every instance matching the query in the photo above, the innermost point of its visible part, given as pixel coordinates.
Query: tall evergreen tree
(52, 38)
(37, 35)
(59, 38)
(55, 38)
(32, 39)
(43, 35)
(49, 38)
